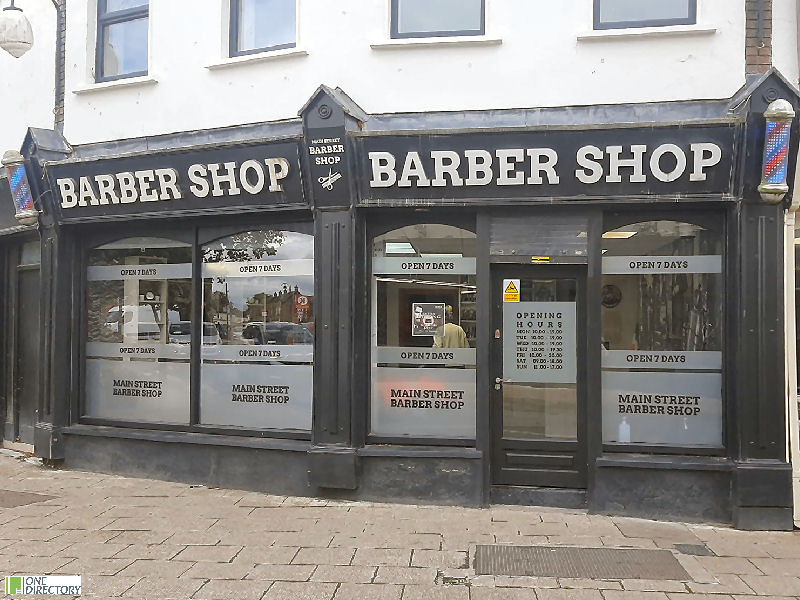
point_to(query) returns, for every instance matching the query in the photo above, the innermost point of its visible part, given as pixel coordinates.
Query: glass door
(539, 376)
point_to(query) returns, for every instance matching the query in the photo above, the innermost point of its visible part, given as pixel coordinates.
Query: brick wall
(758, 50)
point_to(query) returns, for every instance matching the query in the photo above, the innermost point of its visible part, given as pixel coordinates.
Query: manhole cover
(589, 563)
(10, 499)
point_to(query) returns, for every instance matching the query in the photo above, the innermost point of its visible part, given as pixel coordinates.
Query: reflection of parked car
(277, 332)
(181, 333)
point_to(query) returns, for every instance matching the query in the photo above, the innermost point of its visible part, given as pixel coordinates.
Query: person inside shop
(452, 335)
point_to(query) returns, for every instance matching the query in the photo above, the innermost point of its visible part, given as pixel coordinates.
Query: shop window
(121, 39)
(423, 320)
(429, 18)
(662, 335)
(258, 330)
(262, 25)
(137, 363)
(620, 14)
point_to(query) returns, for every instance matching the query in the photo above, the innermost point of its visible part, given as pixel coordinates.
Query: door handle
(498, 382)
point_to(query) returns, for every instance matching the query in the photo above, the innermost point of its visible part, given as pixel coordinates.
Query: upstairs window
(121, 39)
(620, 14)
(431, 18)
(262, 25)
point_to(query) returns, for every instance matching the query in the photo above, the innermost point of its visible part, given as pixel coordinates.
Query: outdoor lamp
(779, 116)
(25, 212)
(16, 35)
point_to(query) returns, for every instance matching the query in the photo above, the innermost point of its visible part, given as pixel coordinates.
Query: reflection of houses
(287, 305)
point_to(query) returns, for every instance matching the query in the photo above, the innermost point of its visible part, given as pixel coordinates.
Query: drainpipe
(60, 61)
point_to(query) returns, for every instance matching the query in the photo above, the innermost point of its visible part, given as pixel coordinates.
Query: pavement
(142, 538)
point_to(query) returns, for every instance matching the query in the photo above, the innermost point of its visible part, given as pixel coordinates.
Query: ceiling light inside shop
(399, 248)
(618, 235)
(582, 234)
(797, 241)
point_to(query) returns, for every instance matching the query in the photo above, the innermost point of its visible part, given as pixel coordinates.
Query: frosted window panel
(439, 15)
(125, 48)
(266, 24)
(623, 11)
(423, 402)
(672, 409)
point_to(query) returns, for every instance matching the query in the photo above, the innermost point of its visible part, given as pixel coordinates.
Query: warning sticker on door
(510, 290)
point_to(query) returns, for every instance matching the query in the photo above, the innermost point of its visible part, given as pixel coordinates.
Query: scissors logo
(331, 178)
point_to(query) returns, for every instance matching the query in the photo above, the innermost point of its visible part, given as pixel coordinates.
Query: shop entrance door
(539, 376)
(21, 340)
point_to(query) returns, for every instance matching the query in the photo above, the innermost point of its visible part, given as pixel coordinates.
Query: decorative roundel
(611, 296)
(324, 111)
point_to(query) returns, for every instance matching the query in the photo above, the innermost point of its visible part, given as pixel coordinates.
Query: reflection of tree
(218, 301)
(242, 247)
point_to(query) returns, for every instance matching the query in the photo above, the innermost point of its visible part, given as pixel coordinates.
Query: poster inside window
(258, 308)
(423, 322)
(138, 296)
(662, 312)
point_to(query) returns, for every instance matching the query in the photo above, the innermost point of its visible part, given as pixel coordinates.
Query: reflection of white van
(147, 317)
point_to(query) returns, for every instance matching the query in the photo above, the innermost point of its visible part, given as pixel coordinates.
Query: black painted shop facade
(571, 307)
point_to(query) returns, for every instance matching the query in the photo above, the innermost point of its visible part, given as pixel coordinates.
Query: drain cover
(694, 549)
(10, 499)
(589, 563)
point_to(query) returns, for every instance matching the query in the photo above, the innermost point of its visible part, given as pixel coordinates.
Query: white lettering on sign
(538, 166)
(153, 185)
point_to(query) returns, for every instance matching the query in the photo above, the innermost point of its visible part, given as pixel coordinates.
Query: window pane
(115, 5)
(266, 24)
(258, 330)
(423, 333)
(125, 48)
(138, 291)
(662, 301)
(622, 11)
(540, 394)
(418, 16)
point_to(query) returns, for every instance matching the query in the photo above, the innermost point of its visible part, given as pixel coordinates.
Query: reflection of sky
(265, 23)
(125, 48)
(241, 289)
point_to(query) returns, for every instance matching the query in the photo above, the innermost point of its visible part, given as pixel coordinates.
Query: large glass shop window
(138, 293)
(258, 330)
(423, 333)
(662, 313)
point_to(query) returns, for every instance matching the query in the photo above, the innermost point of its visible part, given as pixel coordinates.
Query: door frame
(555, 452)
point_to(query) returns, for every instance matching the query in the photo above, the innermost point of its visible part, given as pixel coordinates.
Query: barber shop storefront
(403, 309)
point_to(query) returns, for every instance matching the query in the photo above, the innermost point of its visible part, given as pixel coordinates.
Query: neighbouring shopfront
(400, 309)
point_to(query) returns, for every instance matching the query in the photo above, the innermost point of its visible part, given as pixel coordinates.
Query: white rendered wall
(27, 83)
(540, 62)
(784, 38)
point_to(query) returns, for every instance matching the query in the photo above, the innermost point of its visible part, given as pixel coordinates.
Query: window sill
(257, 57)
(117, 83)
(645, 32)
(456, 40)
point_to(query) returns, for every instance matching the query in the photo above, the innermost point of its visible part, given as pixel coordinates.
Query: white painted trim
(257, 57)
(116, 83)
(645, 32)
(455, 40)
